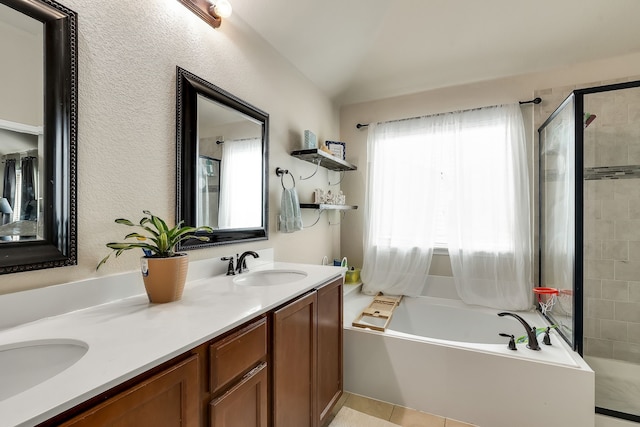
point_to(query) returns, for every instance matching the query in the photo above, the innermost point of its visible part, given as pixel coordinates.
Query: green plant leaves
(160, 240)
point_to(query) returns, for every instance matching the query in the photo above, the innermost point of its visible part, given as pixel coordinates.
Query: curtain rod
(218, 142)
(364, 125)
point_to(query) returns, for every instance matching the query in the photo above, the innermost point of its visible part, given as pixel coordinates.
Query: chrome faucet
(241, 264)
(531, 331)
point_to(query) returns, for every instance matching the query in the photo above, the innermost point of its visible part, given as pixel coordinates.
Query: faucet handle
(230, 269)
(512, 341)
(547, 338)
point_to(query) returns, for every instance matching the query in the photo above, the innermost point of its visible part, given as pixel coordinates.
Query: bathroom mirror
(38, 116)
(222, 153)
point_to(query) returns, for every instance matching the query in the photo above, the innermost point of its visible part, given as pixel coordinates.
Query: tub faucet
(241, 264)
(531, 331)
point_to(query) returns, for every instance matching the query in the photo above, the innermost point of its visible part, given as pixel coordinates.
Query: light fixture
(211, 11)
(220, 8)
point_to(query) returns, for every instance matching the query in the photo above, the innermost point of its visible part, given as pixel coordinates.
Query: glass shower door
(557, 204)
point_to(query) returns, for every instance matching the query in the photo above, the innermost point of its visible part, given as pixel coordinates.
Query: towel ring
(281, 173)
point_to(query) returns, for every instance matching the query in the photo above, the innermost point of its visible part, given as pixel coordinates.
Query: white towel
(290, 215)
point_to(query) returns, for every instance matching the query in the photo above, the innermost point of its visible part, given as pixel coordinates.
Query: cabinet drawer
(237, 354)
(245, 404)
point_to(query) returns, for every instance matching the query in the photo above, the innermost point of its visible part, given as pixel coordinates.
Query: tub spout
(531, 332)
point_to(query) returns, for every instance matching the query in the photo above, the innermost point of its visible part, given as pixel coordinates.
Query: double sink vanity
(261, 348)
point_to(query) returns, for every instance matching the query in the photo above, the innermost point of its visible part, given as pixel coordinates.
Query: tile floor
(395, 414)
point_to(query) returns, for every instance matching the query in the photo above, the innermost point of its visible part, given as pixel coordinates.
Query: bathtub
(446, 358)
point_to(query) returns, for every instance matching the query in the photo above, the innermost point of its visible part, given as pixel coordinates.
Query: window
(470, 163)
(458, 180)
(18, 196)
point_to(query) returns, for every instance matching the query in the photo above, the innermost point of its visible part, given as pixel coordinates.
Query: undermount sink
(269, 277)
(26, 364)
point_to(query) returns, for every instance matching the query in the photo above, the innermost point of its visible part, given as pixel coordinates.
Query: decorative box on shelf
(310, 140)
(337, 148)
(329, 197)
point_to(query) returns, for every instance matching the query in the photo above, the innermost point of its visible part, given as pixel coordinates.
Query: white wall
(128, 52)
(505, 90)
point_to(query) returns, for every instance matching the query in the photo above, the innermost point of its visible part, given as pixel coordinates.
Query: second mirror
(222, 145)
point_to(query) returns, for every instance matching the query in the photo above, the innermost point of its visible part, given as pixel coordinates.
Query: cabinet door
(245, 404)
(168, 399)
(329, 347)
(294, 363)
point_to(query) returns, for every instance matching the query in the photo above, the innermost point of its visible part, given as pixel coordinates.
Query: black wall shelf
(315, 155)
(325, 206)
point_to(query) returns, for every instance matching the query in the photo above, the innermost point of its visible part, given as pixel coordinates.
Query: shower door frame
(578, 261)
(576, 340)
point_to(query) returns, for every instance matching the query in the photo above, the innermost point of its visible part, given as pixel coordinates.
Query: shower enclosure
(589, 205)
(208, 196)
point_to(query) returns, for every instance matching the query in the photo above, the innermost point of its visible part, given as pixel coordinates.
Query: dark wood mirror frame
(188, 87)
(58, 247)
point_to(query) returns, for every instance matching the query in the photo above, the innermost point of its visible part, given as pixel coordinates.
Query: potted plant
(164, 270)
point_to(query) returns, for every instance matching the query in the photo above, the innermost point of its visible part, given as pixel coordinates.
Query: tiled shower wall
(612, 228)
(611, 224)
(612, 269)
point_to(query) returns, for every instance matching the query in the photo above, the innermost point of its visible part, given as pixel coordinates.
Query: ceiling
(360, 50)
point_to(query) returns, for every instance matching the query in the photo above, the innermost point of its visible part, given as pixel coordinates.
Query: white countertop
(129, 336)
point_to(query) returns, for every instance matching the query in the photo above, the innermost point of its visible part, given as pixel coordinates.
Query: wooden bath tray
(378, 315)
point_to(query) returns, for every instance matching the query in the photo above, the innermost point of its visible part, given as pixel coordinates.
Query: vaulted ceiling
(359, 50)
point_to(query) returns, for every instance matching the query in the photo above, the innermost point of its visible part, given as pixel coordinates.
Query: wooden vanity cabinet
(221, 383)
(307, 358)
(281, 369)
(167, 399)
(330, 335)
(294, 363)
(238, 378)
(245, 404)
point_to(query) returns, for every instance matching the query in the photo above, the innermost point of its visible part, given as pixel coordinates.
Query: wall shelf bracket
(317, 163)
(321, 207)
(341, 178)
(317, 219)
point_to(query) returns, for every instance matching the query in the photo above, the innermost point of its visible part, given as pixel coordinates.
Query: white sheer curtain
(466, 170)
(240, 196)
(489, 218)
(399, 211)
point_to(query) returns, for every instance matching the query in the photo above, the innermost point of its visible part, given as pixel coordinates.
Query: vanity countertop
(130, 336)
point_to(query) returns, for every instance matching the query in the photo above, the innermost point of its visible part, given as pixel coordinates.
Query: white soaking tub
(444, 357)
